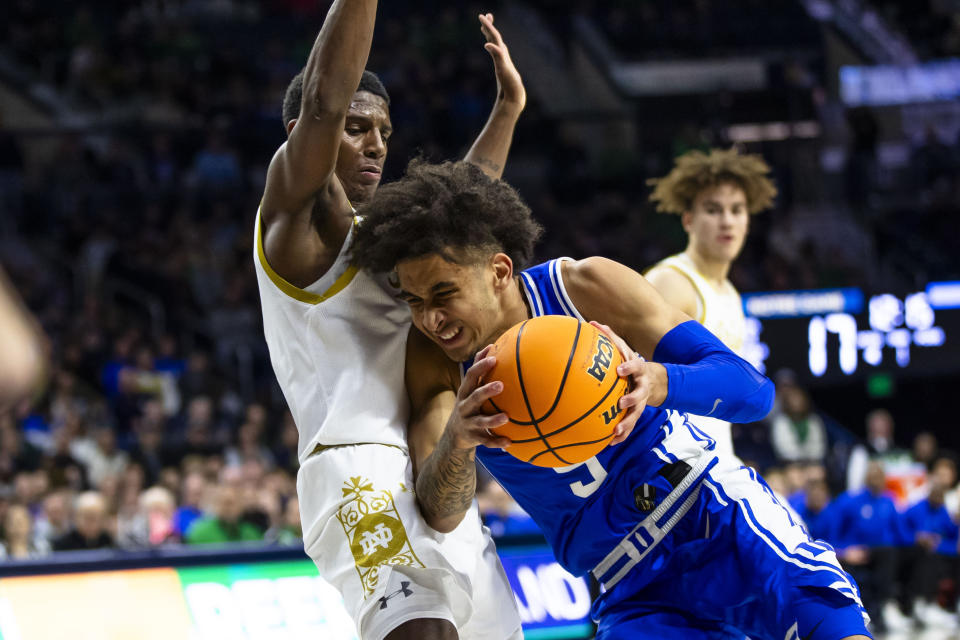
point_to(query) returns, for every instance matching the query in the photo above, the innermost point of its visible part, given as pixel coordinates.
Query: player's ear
(686, 219)
(502, 269)
(290, 125)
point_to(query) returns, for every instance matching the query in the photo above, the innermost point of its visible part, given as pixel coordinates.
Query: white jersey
(338, 349)
(721, 312)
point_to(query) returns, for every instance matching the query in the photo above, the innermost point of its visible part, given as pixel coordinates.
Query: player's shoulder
(598, 276)
(665, 276)
(427, 364)
(675, 287)
(590, 271)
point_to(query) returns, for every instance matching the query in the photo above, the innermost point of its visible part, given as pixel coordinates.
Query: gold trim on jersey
(293, 291)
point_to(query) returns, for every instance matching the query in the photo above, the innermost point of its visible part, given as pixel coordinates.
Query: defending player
(685, 543)
(337, 339)
(714, 194)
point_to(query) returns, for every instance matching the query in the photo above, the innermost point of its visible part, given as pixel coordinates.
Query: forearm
(446, 484)
(705, 378)
(492, 146)
(338, 57)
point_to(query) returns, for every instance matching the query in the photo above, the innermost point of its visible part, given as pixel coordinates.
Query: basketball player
(714, 194)
(686, 543)
(336, 339)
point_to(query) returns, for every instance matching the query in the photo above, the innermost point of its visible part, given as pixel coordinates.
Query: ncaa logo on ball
(601, 359)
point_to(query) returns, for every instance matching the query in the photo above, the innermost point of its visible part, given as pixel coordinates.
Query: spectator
(289, 532)
(248, 448)
(101, 456)
(19, 542)
(796, 431)
(879, 445)
(148, 450)
(194, 493)
(934, 555)
(502, 514)
(90, 525)
(143, 379)
(224, 524)
(153, 523)
(925, 448)
(867, 532)
(811, 505)
(53, 521)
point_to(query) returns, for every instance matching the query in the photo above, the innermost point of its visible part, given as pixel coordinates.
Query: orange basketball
(560, 390)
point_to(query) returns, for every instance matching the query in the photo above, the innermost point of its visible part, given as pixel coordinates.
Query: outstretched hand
(509, 83)
(646, 380)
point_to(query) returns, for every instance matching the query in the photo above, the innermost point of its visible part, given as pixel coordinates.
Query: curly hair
(452, 209)
(695, 171)
(293, 96)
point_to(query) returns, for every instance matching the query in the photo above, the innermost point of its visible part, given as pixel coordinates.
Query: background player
(708, 552)
(336, 339)
(714, 194)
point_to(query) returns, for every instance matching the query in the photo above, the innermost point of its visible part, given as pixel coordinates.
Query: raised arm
(686, 368)
(490, 150)
(300, 181)
(444, 430)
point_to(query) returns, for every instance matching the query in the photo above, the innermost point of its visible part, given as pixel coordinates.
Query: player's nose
(374, 144)
(433, 320)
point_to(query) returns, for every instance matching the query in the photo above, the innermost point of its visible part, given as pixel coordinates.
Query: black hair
(294, 95)
(452, 209)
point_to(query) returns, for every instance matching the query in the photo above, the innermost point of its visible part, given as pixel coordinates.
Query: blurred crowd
(130, 239)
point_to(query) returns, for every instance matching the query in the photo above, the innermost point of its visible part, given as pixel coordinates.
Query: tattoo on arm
(448, 481)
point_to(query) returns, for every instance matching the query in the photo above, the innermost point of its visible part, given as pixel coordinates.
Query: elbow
(766, 394)
(443, 525)
(440, 523)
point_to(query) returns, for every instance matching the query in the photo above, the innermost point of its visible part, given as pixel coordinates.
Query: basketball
(560, 390)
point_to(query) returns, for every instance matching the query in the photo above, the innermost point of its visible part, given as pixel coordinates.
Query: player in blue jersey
(684, 542)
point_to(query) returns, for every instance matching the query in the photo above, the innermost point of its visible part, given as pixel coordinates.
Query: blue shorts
(735, 564)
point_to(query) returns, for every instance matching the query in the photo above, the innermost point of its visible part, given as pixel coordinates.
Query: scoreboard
(832, 335)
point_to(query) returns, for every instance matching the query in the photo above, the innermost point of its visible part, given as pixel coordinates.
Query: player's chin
(362, 193)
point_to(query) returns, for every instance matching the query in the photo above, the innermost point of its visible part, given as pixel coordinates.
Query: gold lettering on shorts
(374, 530)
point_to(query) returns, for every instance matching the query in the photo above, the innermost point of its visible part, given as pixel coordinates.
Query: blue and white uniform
(679, 537)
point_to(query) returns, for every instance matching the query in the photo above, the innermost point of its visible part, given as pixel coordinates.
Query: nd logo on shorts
(377, 536)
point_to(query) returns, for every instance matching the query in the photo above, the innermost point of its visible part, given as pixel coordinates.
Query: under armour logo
(379, 537)
(404, 589)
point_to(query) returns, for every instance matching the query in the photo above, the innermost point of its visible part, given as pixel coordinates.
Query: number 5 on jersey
(597, 476)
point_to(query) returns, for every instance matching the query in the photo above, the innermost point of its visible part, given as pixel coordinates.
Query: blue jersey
(711, 553)
(862, 518)
(926, 518)
(581, 511)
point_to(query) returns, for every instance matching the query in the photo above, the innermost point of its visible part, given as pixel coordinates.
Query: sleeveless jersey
(721, 312)
(565, 502)
(338, 349)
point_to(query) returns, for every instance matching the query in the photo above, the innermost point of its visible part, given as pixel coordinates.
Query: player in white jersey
(337, 343)
(714, 194)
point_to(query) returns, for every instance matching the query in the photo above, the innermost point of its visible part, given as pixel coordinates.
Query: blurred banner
(264, 600)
